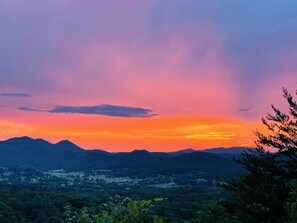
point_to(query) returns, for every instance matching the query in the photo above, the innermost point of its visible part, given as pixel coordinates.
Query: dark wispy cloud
(245, 110)
(104, 109)
(15, 95)
(32, 109)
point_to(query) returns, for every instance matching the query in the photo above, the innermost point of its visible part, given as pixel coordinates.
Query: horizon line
(132, 150)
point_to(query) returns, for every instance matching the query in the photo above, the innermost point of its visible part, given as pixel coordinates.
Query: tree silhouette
(261, 193)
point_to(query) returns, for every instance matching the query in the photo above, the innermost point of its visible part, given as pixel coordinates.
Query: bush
(119, 210)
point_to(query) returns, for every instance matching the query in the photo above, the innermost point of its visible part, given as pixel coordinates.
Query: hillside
(25, 152)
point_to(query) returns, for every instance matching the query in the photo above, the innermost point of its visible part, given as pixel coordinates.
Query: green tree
(6, 213)
(118, 211)
(291, 205)
(214, 212)
(261, 193)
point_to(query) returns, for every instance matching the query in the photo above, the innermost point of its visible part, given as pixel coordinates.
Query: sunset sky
(160, 75)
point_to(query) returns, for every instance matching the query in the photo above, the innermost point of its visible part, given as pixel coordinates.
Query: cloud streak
(104, 109)
(245, 110)
(15, 95)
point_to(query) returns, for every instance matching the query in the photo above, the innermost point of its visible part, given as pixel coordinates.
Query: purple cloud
(104, 109)
(15, 95)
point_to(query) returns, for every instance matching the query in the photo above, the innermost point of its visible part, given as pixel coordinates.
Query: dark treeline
(178, 204)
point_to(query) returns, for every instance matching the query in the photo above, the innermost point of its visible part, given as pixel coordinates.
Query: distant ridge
(181, 152)
(67, 145)
(231, 150)
(219, 150)
(25, 152)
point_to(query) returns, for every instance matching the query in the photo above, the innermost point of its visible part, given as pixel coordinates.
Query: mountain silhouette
(231, 150)
(181, 152)
(66, 145)
(25, 152)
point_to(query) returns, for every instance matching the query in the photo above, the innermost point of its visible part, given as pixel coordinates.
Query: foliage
(119, 211)
(260, 194)
(215, 212)
(41, 206)
(291, 205)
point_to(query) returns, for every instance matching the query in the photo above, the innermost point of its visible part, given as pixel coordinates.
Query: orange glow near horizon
(122, 134)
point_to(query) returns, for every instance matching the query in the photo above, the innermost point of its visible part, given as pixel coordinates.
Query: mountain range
(25, 152)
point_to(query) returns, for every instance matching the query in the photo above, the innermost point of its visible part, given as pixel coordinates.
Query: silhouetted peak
(20, 139)
(24, 138)
(67, 145)
(140, 151)
(184, 151)
(65, 142)
(99, 151)
(42, 141)
(189, 150)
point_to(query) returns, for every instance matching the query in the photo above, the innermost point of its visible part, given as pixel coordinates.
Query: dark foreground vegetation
(265, 193)
(145, 205)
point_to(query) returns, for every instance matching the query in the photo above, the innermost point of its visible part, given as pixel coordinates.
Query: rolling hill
(25, 152)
